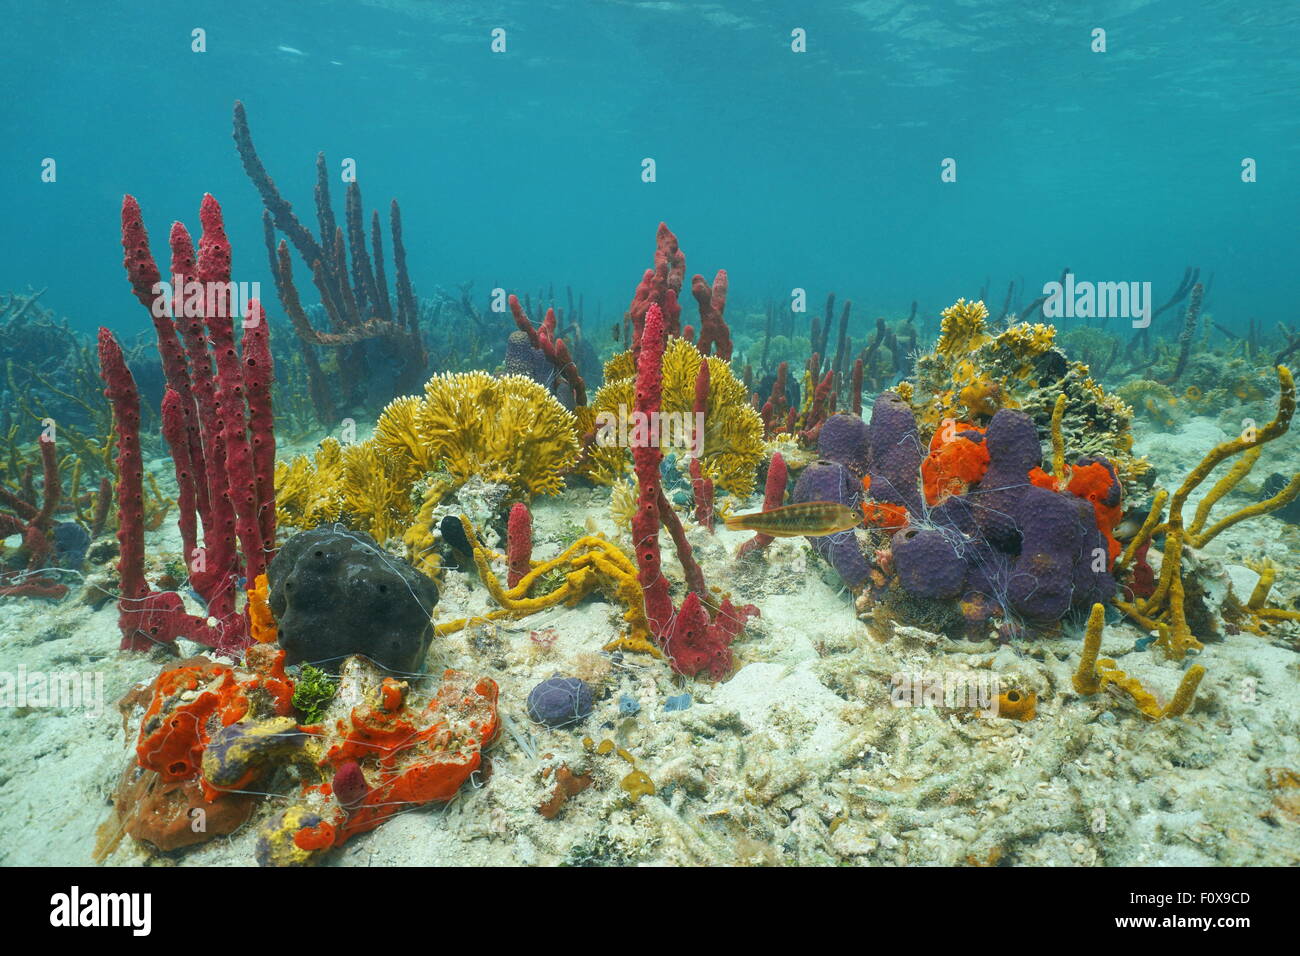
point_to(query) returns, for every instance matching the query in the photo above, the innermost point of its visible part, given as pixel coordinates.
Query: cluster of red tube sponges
(218, 423)
(33, 523)
(543, 337)
(691, 640)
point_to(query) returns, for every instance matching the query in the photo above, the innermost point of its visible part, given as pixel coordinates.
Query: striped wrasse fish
(811, 518)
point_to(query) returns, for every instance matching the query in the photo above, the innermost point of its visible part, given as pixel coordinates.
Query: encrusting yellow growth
(591, 562)
(962, 328)
(733, 429)
(1095, 675)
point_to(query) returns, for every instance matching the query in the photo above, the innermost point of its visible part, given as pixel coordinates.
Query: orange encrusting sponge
(887, 517)
(954, 463)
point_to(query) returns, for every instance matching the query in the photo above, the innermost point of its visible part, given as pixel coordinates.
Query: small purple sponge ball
(559, 701)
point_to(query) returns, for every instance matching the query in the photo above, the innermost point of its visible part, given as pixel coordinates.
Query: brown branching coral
(352, 284)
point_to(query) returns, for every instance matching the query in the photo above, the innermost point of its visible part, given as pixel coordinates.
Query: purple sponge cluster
(1006, 543)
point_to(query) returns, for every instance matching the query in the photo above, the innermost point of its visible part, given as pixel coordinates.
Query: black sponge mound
(336, 592)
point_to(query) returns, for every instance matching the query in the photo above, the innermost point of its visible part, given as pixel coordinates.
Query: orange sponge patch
(954, 463)
(1093, 483)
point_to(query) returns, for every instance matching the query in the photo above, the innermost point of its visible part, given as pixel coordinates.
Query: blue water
(819, 170)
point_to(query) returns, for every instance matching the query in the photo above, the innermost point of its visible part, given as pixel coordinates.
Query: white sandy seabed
(798, 758)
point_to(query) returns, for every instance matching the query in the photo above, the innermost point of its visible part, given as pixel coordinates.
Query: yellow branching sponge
(590, 562)
(1094, 675)
(733, 429)
(1165, 611)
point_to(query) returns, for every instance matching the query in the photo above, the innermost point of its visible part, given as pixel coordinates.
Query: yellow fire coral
(733, 430)
(509, 430)
(357, 485)
(375, 488)
(306, 489)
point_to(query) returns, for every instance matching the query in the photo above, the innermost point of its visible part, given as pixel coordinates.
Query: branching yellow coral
(307, 489)
(396, 432)
(509, 429)
(733, 430)
(375, 488)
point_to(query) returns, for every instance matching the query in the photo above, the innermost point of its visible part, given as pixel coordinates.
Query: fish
(811, 519)
(618, 328)
(289, 49)
(1132, 523)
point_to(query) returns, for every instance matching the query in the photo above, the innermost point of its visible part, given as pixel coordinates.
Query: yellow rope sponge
(1144, 533)
(592, 561)
(1085, 678)
(1094, 675)
(1058, 440)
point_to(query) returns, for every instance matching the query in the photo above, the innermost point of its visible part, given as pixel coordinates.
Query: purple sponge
(896, 453)
(928, 564)
(1013, 447)
(559, 701)
(831, 481)
(843, 439)
(1041, 588)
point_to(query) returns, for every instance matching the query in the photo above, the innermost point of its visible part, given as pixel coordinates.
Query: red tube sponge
(519, 543)
(773, 497)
